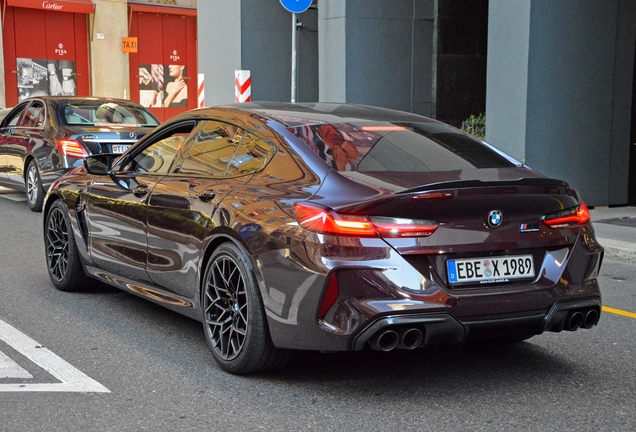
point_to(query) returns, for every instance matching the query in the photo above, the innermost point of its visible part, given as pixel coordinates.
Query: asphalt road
(161, 377)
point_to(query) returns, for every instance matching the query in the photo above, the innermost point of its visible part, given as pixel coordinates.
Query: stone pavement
(616, 231)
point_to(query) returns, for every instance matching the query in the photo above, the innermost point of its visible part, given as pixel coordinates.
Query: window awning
(76, 6)
(162, 9)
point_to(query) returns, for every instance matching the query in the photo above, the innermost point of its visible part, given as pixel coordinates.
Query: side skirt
(182, 305)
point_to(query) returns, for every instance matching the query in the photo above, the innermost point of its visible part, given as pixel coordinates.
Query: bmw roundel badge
(494, 218)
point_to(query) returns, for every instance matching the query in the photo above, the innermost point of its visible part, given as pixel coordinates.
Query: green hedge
(475, 125)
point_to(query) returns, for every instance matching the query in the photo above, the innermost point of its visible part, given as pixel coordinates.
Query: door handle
(207, 196)
(140, 191)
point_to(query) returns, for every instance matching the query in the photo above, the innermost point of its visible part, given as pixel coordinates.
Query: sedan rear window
(411, 147)
(106, 113)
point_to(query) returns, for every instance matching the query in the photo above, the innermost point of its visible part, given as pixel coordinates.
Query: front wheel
(35, 191)
(62, 258)
(233, 315)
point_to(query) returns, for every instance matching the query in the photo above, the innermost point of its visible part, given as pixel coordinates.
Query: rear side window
(12, 120)
(212, 149)
(224, 150)
(412, 147)
(33, 116)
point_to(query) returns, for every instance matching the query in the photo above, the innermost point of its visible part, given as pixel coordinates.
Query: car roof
(293, 114)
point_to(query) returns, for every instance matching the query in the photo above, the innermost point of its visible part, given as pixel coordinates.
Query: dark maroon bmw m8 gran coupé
(329, 227)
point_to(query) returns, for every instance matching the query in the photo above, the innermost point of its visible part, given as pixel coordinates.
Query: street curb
(620, 250)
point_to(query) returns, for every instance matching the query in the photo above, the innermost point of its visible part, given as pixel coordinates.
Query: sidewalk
(616, 231)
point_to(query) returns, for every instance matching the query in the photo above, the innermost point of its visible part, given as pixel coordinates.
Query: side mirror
(100, 164)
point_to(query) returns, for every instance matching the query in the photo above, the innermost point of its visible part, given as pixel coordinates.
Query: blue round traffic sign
(296, 6)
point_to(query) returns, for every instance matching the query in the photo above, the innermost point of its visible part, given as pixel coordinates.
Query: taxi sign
(296, 6)
(129, 44)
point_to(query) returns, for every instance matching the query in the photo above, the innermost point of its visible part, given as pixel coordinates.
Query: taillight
(571, 217)
(323, 220)
(70, 148)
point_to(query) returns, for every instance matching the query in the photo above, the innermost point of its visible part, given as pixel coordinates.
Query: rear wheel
(233, 315)
(62, 259)
(35, 191)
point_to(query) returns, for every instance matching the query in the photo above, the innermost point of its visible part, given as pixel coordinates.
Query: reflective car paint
(154, 241)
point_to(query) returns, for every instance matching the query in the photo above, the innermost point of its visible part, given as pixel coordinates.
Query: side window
(13, 120)
(157, 158)
(212, 149)
(33, 116)
(251, 156)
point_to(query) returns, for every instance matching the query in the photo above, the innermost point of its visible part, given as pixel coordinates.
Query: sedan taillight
(323, 220)
(70, 148)
(572, 217)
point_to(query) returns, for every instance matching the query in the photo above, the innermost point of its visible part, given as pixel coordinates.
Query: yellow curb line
(619, 312)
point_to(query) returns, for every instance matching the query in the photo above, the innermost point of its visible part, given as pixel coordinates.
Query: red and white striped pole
(243, 86)
(201, 92)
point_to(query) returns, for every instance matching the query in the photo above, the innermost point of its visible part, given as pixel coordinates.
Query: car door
(28, 139)
(221, 159)
(10, 137)
(116, 205)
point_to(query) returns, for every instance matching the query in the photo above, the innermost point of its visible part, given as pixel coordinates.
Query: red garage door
(45, 51)
(163, 71)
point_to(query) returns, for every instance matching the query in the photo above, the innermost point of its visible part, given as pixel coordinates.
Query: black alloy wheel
(233, 315)
(34, 190)
(62, 259)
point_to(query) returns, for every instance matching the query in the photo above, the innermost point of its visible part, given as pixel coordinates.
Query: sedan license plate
(118, 148)
(490, 270)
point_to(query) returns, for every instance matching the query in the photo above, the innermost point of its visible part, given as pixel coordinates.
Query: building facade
(555, 78)
(74, 47)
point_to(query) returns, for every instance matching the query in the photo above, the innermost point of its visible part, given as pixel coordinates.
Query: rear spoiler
(539, 181)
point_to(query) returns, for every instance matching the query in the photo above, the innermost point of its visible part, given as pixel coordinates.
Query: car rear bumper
(379, 290)
(444, 328)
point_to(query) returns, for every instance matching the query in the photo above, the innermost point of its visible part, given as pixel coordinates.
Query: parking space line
(10, 369)
(71, 379)
(619, 312)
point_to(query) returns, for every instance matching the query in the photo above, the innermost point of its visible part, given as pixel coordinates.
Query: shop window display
(37, 77)
(163, 86)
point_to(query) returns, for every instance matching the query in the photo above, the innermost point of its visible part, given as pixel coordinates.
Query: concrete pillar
(377, 52)
(109, 65)
(219, 39)
(559, 90)
(332, 38)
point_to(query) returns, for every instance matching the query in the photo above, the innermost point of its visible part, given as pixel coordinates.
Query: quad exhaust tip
(591, 319)
(586, 318)
(402, 338)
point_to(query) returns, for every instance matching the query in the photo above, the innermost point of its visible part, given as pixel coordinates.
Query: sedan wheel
(35, 191)
(62, 258)
(234, 317)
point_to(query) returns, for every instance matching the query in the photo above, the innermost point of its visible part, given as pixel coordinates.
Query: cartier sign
(51, 5)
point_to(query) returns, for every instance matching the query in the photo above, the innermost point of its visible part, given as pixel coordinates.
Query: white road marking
(10, 369)
(71, 379)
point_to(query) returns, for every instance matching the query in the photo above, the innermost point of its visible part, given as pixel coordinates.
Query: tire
(62, 259)
(34, 190)
(234, 319)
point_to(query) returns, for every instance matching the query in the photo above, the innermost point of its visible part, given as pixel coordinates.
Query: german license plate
(118, 148)
(490, 270)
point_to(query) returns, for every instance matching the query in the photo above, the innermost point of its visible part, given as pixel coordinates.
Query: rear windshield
(106, 113)
(411, 147)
